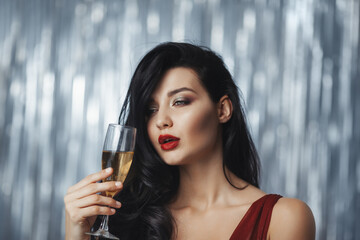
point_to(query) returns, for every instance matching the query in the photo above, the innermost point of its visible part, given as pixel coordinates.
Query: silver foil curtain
(65, 66)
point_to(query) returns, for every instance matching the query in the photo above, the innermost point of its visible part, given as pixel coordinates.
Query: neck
(203, 183)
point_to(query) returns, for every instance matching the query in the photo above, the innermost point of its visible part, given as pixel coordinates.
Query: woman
(195, 169)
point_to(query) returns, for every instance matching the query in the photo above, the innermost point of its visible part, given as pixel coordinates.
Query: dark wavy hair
(151, 184)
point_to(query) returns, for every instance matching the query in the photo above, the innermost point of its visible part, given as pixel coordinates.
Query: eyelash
(177, 102)
(181, 102)
(150, 111)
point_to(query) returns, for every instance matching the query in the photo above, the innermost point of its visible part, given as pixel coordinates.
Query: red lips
(168, 142)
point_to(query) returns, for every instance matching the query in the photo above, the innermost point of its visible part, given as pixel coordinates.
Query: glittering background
(65, 66)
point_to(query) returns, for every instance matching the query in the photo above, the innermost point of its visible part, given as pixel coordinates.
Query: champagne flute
(117, 153)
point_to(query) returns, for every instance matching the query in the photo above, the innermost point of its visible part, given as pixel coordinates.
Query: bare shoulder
(291, 219)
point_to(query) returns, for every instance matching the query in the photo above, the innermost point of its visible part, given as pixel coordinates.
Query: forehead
(178, 78)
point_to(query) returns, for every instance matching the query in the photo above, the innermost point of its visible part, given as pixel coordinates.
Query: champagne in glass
(120, 163)
(118, 153)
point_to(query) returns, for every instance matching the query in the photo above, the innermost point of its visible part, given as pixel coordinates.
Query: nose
(163, 120)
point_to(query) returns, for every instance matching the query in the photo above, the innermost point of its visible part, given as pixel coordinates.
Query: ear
(225, 109)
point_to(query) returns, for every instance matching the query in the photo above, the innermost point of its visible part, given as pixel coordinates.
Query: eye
(181, 102)
(151, 110)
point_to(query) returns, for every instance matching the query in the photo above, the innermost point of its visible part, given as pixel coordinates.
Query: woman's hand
(83, 204)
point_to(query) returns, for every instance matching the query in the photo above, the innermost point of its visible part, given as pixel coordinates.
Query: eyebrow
(173, 92)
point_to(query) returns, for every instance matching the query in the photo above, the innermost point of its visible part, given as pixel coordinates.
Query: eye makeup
(181, 101)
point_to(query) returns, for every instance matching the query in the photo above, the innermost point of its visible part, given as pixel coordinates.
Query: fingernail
(118, 203)
(108, 170)
(118, 184)
(112, 210)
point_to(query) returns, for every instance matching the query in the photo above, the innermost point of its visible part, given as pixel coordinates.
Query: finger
(92, 178)
(95, 188)
(80, 214)
(96, 210)
(97, 199)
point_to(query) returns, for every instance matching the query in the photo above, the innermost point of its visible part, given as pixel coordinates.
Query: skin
(205, 199)
(206, 205)
(83, 204)
(178, 108)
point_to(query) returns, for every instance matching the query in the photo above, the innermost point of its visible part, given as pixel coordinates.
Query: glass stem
(104, 223)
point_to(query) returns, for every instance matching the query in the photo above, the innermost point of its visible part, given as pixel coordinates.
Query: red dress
(255, 223)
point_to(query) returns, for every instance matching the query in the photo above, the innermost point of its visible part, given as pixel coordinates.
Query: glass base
(102, 233)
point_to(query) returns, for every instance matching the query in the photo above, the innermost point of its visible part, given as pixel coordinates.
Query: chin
(177, 162)
(173, 160)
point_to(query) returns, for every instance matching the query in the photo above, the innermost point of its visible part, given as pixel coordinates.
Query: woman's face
(183, 123)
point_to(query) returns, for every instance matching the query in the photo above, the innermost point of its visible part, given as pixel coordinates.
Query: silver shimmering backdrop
(65, 66)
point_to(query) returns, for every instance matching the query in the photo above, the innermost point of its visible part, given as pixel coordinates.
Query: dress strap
(256, 221)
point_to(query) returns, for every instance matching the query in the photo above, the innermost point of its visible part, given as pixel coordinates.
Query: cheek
(204, 125)
(151, 133)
